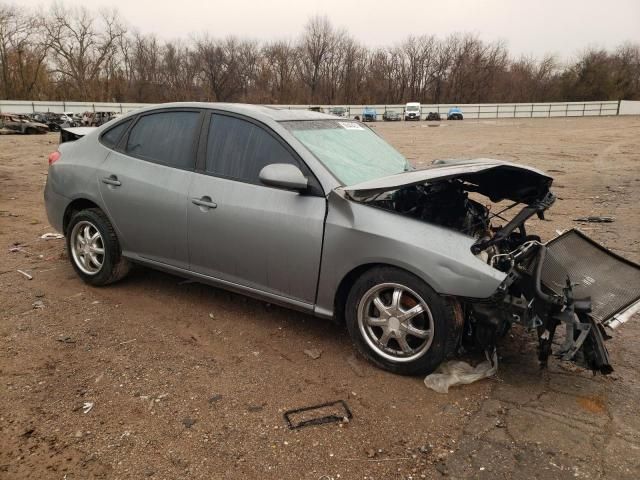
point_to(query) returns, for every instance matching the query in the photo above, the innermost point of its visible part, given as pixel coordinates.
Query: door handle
(204, 202)
(111, 180)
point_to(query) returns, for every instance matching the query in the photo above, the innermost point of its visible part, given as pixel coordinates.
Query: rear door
(145, 180)
(246, 233)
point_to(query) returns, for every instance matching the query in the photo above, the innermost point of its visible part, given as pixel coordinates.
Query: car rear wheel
(400, 323)
(94, 249)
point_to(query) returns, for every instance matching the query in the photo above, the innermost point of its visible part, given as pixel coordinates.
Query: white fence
(25, 106)
(471, 111)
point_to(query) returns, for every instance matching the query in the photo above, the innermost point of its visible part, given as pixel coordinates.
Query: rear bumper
(55, 205)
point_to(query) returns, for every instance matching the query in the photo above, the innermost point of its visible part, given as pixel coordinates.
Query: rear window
(112, 136)
(165, 137)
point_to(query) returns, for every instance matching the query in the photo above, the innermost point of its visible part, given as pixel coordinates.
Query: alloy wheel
(395, 322)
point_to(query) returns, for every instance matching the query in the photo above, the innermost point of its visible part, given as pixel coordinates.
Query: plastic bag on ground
(457, 372)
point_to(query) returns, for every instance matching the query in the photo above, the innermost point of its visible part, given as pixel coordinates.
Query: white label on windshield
(350, 126)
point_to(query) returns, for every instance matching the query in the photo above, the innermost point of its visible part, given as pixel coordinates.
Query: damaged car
(320, 214)
(15, 123)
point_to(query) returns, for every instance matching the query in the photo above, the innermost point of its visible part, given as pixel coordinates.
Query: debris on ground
(426, 449)
(38, 304)
(87, 406)
(256, 408)
(4, 213)
(17, 247)
(314, 353)
(29, 277)
(595, 219)
(188, 422)
(330, 412)
(66, 339)
(51, 236)
(457, 372)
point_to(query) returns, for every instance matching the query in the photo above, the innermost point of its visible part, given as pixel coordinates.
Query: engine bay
(444, 203)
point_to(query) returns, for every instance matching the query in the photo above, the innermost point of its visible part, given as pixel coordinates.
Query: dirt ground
(189, 381)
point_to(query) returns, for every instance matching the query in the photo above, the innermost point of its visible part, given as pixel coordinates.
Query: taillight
(54, 157)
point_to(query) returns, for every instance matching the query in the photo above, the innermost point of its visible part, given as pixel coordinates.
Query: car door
(245, 233)
(144, 183)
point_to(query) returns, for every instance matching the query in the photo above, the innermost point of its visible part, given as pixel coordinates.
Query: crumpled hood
(494, 179)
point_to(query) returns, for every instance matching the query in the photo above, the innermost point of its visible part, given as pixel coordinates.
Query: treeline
(79, 54)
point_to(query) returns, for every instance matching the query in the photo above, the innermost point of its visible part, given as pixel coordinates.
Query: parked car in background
(101, 118)
(46, 118)
(70, 119)
(391, 116)
(95, 119)
(369, 115)
(433, 116)
(412, 111)
(10, 122)
(339, 112)
(55, 121)
(320, 214)
(455, 114)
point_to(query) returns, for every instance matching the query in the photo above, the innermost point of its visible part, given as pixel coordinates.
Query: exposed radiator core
(612, 282)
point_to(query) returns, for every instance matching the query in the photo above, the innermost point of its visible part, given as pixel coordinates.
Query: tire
(99, 261)
(436, 324)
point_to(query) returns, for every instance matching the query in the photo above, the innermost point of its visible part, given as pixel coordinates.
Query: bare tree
(23, 50)
(280, 59)
(179, 70)
(314, 48)
(81, 46)
(226, 66)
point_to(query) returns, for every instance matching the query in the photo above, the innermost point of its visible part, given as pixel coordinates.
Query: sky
(528, 27)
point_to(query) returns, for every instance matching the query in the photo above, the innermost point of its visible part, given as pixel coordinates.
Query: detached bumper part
(622, 317)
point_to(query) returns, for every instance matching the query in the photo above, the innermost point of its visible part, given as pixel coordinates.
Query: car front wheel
(94, 249)
(400, 323)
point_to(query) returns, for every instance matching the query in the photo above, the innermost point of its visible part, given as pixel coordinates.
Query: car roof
(275, 113)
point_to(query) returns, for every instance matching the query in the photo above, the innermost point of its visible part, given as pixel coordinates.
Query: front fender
(358, 234)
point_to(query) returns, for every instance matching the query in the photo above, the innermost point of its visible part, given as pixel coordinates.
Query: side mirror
(284, 175)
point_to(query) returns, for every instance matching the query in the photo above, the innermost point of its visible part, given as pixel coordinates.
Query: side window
(239, 149)
(165, 137)
(112, 136)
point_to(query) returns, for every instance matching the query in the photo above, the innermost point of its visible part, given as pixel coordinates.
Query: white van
(412, 111)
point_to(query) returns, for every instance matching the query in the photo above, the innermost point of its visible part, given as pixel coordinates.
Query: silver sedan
(320, 214)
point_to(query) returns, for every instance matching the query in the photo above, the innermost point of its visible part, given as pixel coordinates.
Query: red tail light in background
(54, 157)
